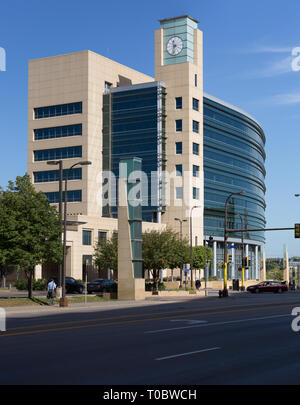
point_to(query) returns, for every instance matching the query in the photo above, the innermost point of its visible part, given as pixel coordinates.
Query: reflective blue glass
(234, 159)
(72, 196)
(57, 132)
(58, 153)
(195, 104)
(178, 170)
(134, 126)
(178, 125)
(53, 175)
(86, 237)
(58, 110)
(178, 148)
(195, 148)
(195, 126)
(178, 103)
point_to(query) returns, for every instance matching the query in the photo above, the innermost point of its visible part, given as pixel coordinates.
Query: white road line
(187, 354)
(215, 323)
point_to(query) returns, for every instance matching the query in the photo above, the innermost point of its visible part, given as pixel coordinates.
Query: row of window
(58, 110)
(178, 103)
(179, 193)
(178, 126)
(87, 237)
(57, 132)
(195, 170)
(57, 153)
(72, 196)
(178, 148)
(53, 175)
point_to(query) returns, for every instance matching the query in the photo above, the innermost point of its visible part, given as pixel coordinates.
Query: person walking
(51, 291)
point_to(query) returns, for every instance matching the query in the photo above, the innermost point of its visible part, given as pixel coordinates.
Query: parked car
(268, 286)
(101, 285)
(71, 285)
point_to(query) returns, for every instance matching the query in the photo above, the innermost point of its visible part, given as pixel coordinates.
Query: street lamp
(191, 242)
(225, 291)
(60, 167)
(180, 221)
(243, 270)
(63, 301)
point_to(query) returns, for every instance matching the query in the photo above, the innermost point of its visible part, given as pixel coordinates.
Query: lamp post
(63, 301)
(243, 268)
(225, 290)
(60, 192)
(180, 221)
(191, 242)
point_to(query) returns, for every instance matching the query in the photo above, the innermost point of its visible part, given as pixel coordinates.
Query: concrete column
(257, 263)
(215, 258)
(263, 271)
(38, 271)
(246, 254)
(286, 271)
(233, 275)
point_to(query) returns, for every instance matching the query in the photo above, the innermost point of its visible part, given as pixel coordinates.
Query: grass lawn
(16, 302)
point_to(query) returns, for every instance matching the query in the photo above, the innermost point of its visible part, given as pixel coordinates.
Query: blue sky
(247, 62)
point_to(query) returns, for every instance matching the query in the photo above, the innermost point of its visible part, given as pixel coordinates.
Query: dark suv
(71, 285)
(102, 285)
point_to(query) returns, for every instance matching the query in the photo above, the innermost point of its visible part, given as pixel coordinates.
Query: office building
(85, 107)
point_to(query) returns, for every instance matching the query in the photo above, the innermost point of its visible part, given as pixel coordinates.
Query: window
(195, 126)
(195, 171)
(178, 170)
(53, 175)
(195, 193)
(59, 153)
(72, 196)
(179, 193)
(196, 80)
(195, 104)
(86, 237)
(178, 125)
(195, 148)
(178, 103)
(178, 148)
(57, 110)
(107, 86)
(57, 132)
(102, 237)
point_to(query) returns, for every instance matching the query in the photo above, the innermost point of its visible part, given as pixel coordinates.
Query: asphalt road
(242, 339)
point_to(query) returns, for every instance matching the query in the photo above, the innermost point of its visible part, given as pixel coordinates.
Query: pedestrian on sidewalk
(198, 284)
(51, 291)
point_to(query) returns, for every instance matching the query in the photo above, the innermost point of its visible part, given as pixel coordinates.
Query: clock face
(174, 46)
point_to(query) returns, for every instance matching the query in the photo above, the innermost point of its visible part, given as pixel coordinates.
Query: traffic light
(210, 241)
(297, 230)
(229, 258)
(245, 261)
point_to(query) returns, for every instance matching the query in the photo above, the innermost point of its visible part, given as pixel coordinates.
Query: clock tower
(179, 64)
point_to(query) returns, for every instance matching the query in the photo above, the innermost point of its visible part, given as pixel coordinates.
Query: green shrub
(21, 284)
(40, 284)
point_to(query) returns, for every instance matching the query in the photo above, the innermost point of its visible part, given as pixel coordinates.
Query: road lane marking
(35, 331)
(188, 321)
(187, 354)
(215, 323)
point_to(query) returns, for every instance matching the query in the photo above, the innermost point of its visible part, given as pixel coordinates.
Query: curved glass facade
(234, 158)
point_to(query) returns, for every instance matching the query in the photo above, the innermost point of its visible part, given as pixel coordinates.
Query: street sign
(233, 246)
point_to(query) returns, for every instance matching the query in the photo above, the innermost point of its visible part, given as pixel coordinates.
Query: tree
(106, 254)
(30, 231)
(199, 255)
(163, 250)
